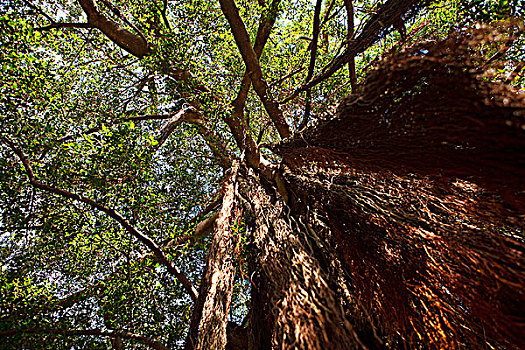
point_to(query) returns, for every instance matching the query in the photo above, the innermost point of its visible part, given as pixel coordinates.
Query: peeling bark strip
(294, 305)
(210, 314)
(130, 42)
(242, 39)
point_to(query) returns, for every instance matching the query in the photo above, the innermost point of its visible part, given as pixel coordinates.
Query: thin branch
(289, 75)
(515, 72)
(163, 13)
(65, 25)
(194, 116)
(378, 24)
(112, 213)
(242, 39)
(98, 128)
(39, 10)
(349, 36)
(142, 117)
(154, 344)
(326, 17)
(311, 66)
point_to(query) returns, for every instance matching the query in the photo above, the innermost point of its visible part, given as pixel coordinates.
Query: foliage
(87, 114)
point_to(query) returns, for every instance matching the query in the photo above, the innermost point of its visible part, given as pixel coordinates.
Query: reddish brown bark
(418, 181)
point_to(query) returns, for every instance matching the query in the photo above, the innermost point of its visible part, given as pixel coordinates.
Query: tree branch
(132, 43)
(242, 39)
(196, 117)
(39, 10)
(311, 66)
(119, 14)
(65, 25)
(154, 344)
(142, 237)
(349, 36)
(388, 14)
(202, 229)
(236, 120)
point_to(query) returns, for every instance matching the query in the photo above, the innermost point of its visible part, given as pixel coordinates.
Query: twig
(311, 66)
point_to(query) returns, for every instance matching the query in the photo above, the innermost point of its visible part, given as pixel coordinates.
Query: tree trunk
(295, 302)
(404, 223)
(419, 183)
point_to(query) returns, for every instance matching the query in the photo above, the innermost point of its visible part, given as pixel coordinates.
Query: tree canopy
(161, 162)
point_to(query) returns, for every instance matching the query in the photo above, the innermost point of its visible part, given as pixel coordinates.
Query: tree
(175, 174)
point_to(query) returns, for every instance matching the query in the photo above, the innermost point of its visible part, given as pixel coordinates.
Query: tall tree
(197, 175)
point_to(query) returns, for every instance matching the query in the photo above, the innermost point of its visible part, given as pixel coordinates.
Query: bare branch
(251, 61)
(142, 117)
(202, 229)
(287, 76)
(197, 118)
(39, 10)
(154, 344)
(112, 213)
(236, 120)
(349, 36)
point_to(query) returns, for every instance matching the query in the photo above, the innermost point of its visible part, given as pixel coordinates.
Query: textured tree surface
(419, 181)
(153, 200)
(403, 208)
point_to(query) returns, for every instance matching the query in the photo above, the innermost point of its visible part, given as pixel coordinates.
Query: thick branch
(251, 61)
(142, 237)
(154, 344)
(132, 43)
(210, 312)
(236, 120)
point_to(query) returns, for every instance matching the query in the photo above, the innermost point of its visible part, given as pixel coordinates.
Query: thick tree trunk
(295, 303)
(404, 223)
(419, 180)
